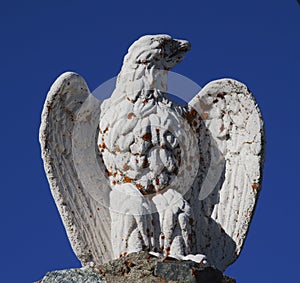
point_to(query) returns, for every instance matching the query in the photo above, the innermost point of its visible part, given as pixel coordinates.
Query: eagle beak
(184, 45)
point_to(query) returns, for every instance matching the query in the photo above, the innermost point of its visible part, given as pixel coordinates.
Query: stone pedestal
(140, 267)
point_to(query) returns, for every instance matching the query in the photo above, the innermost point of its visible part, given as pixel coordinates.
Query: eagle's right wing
(72, 162)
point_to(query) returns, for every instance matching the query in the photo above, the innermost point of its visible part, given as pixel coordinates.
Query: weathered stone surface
(74, 275)
(140, 267)
(176, 179)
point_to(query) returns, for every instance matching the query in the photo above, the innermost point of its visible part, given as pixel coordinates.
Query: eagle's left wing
(231, 143)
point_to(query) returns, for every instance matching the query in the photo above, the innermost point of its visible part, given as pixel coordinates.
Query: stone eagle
(140, 171)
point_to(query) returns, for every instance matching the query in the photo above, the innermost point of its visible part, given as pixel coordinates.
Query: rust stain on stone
(101, 271)
(204, 106)
(131, 115)
(191, 116)
(194, 271)
(139, 186)
(147, 137)
(127, 179)
(204, 115)
(49, 108)
(145, 163)
(221, 95)
(168, 251)
(123, 271)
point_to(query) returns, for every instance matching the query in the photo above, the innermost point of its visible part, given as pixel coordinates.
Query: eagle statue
(142, 171)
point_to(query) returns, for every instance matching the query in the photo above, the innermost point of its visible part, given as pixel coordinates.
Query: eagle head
(160, 51)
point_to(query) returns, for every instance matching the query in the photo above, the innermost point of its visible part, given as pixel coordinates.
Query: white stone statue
(154, 174)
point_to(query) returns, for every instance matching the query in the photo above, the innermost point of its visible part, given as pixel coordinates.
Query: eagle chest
(140, 144)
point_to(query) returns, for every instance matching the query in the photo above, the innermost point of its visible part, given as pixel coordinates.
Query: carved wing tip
(230, 83)
(69, 75)
(65, 79)
(67, 92)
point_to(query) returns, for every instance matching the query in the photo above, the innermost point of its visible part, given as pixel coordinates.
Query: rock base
(140, 267)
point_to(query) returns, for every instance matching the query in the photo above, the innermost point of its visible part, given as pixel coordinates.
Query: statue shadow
(211, 238)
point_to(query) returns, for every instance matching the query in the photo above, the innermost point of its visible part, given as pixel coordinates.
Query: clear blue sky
(256, 42)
